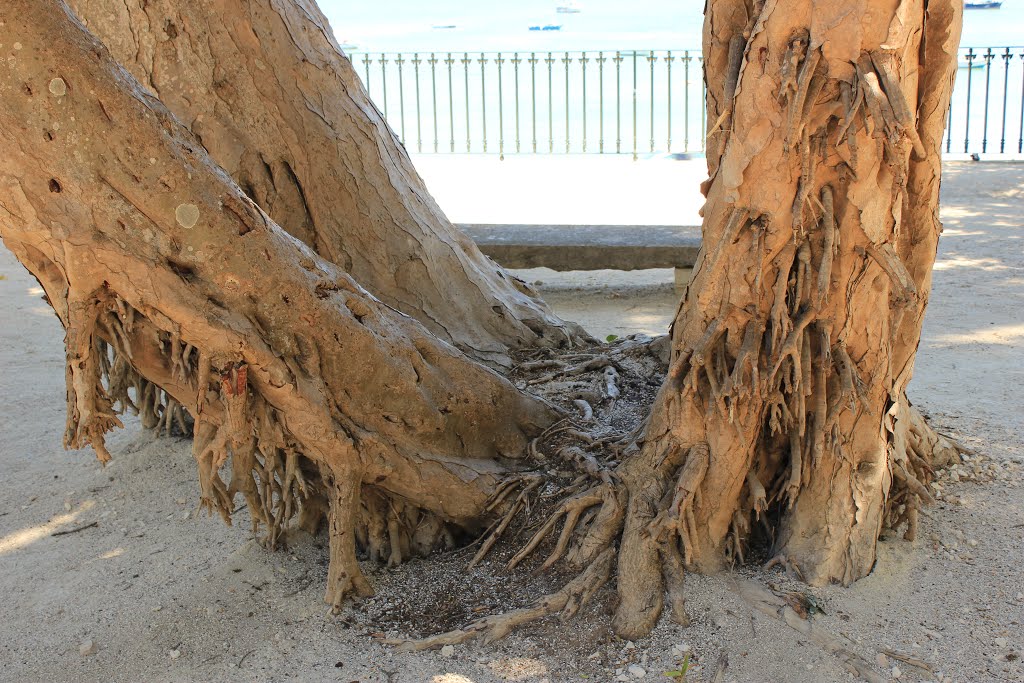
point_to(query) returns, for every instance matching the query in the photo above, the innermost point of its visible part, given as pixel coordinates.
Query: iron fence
(623, 102)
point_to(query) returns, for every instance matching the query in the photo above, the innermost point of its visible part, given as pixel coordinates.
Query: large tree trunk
(144, 246)
(268, 93)
(783, 421)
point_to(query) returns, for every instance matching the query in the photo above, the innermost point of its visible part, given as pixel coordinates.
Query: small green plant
(680, 673)
(611, 337)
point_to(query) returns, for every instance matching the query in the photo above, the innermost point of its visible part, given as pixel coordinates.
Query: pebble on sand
(636, 671)
(87, 648)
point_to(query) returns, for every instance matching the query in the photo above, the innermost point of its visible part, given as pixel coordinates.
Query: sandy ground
(153, 592)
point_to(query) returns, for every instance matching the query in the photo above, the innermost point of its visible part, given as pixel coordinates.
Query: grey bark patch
(187, 215)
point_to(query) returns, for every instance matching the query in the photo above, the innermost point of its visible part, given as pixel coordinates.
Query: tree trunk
(144, 246)
(783, 422)
(268, 93)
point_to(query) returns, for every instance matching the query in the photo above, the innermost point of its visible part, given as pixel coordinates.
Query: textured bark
(267, 91)
(151, 256)
(784, 410)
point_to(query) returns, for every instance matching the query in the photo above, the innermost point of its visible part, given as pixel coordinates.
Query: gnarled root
(344, 577)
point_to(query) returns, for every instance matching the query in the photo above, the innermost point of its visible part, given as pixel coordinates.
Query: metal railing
(991, 79)
(623, 102)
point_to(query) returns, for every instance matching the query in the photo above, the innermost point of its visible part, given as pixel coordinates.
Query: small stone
(1000, 642)
(448, 651)
(17, 46)
(636, 671)
(187, 215)
(174, 654)
(158, 608)
(882, 660)
(58, 87)
(896, 673)
(973, 543)
(87, 648)
(630, 645)
(1020, 596)
(180, 501)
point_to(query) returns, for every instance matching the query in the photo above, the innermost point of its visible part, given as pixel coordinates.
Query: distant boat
(346, 45)
(983, 5)
(570, 7)
(549, 27)
(977, 64)
(443, 26)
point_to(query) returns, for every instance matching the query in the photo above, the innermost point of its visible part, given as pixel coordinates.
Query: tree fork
(783, 412)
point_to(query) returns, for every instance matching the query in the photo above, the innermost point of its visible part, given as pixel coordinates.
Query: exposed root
(776, 607)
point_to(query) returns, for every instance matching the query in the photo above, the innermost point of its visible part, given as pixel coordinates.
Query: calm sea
(409, 25)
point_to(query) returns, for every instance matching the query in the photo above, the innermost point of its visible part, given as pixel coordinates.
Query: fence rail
(624, 102)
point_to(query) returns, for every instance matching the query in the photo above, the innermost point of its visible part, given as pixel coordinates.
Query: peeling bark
(823, 202)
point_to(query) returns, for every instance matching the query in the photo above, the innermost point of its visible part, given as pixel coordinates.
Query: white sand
(151, 579)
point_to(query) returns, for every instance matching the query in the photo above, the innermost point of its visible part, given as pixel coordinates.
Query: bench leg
(682, 276)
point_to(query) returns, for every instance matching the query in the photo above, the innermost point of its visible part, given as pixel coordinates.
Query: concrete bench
(590, 247)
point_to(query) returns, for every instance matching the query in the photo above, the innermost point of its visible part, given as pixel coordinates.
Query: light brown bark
(269, 94)
(795, 341)
(287, 365)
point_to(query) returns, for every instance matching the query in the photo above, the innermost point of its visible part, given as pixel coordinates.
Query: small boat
(549, 27)
(991, 4)
(443, 26)
(975, 64)
(570, 7)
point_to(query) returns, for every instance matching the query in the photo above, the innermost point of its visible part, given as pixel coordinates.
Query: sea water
(461, 100)
(408, 25)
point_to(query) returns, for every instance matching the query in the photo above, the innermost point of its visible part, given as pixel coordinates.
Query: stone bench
(590, 247)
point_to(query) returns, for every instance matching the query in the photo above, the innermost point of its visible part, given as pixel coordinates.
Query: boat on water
(976, 64)
(990, 4)
(570, 7)
(549, 27)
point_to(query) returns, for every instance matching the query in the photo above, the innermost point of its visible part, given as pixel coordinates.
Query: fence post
(967, 118)
(1006, 91)
(416, 61)
(515, 65)
(533, 98)
(401, 94)
(600, 102)
(988, 79)
(583, 63)
(668, 138)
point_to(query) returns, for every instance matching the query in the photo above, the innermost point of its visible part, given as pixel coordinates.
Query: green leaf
(611, 337)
